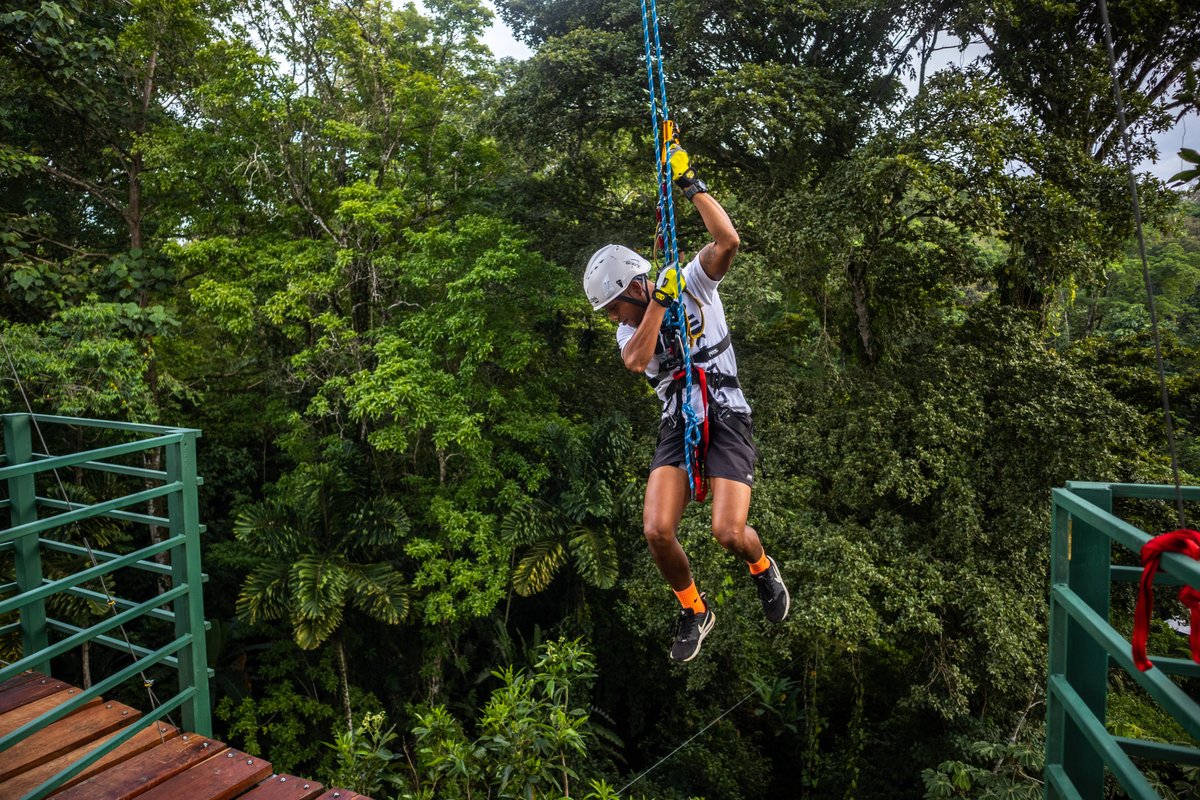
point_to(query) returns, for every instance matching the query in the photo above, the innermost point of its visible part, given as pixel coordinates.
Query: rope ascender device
(675, 322)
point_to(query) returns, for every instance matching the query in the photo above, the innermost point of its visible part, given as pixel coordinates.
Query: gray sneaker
(690, 632)
(772, 592)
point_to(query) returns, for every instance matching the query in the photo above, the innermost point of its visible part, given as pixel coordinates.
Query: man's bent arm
(638, 351)
(717, 255)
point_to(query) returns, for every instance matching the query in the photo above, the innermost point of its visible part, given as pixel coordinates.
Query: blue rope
(665, 197)
(676, 317)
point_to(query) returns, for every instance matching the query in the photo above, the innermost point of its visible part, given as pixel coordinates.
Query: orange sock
(760, 566)
(690, 598)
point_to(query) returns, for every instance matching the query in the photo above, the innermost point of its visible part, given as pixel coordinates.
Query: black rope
(1137, 219)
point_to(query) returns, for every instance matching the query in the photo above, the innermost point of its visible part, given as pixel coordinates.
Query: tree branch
(92, 189)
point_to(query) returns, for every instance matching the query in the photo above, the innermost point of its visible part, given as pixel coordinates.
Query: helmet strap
(635, 300)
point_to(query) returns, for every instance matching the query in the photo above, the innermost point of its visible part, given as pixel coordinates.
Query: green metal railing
(37, 510)
(1083, 645)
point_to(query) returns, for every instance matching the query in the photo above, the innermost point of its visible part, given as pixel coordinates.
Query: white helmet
(609, 273)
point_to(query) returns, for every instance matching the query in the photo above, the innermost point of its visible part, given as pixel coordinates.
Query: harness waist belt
(716, 380)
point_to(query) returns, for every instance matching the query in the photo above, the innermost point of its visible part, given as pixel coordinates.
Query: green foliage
(83, 362)
(533, 731)
(363, 756)
(589, 504)
(291, 713)
(320, 548)
(1188, 175)
(992, 772)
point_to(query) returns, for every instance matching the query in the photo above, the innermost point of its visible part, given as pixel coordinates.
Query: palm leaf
(271, 527)
(310, 633)
(380, 523)
(585, 499)
(264, 595)
(538, 567)
(595, 554)
(531, 522)
(323, 486)
(379, 591)
(626, 513)
(318, 586)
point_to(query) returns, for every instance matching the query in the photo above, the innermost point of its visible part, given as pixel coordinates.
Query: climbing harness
(695, 438)
(671, 384)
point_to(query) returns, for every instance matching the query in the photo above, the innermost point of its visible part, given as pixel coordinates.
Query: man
(615, 282)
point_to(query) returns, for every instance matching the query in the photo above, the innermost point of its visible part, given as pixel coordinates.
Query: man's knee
(728, 535)
(658, 533)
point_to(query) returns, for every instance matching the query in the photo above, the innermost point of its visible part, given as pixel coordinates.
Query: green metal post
(184, 512)
(1089, 557)
(22, 491)
(1056, 718)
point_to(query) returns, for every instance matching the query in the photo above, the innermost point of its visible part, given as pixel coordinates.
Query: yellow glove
(670, 287)
(677, 157)
(682, 173)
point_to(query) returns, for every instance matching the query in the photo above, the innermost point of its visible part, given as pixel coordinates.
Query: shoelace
(688, 625)
(766, 582)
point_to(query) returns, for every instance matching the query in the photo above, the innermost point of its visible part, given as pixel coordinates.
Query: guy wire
(1137, 219)
(688, 741)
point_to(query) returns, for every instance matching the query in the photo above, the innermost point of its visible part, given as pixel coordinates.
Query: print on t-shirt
(706, 316)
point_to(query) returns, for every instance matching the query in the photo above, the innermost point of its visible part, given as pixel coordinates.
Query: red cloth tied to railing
(1187, 542)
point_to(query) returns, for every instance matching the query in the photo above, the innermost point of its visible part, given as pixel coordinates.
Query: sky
(500, 39)
(1186, 133)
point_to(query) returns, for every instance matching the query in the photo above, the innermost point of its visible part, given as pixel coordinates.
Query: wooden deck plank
(17, 680)
(22, 784)
(284, 787)
(140, 774)
(63, 736)
(19, 716)
(221, 777)
(28, 691)
(342, 794)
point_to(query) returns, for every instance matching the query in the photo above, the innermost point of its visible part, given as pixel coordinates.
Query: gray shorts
(731, 450)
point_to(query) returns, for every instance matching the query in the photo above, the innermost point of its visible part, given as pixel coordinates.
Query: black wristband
(662, 298)
(696, 187)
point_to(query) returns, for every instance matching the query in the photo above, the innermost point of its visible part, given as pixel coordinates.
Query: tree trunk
(857, 275)
(344, 679)
(152, 459)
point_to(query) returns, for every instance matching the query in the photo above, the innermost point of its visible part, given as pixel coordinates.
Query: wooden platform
(160, 763)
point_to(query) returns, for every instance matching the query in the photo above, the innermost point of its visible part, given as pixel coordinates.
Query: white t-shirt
(705, 313)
